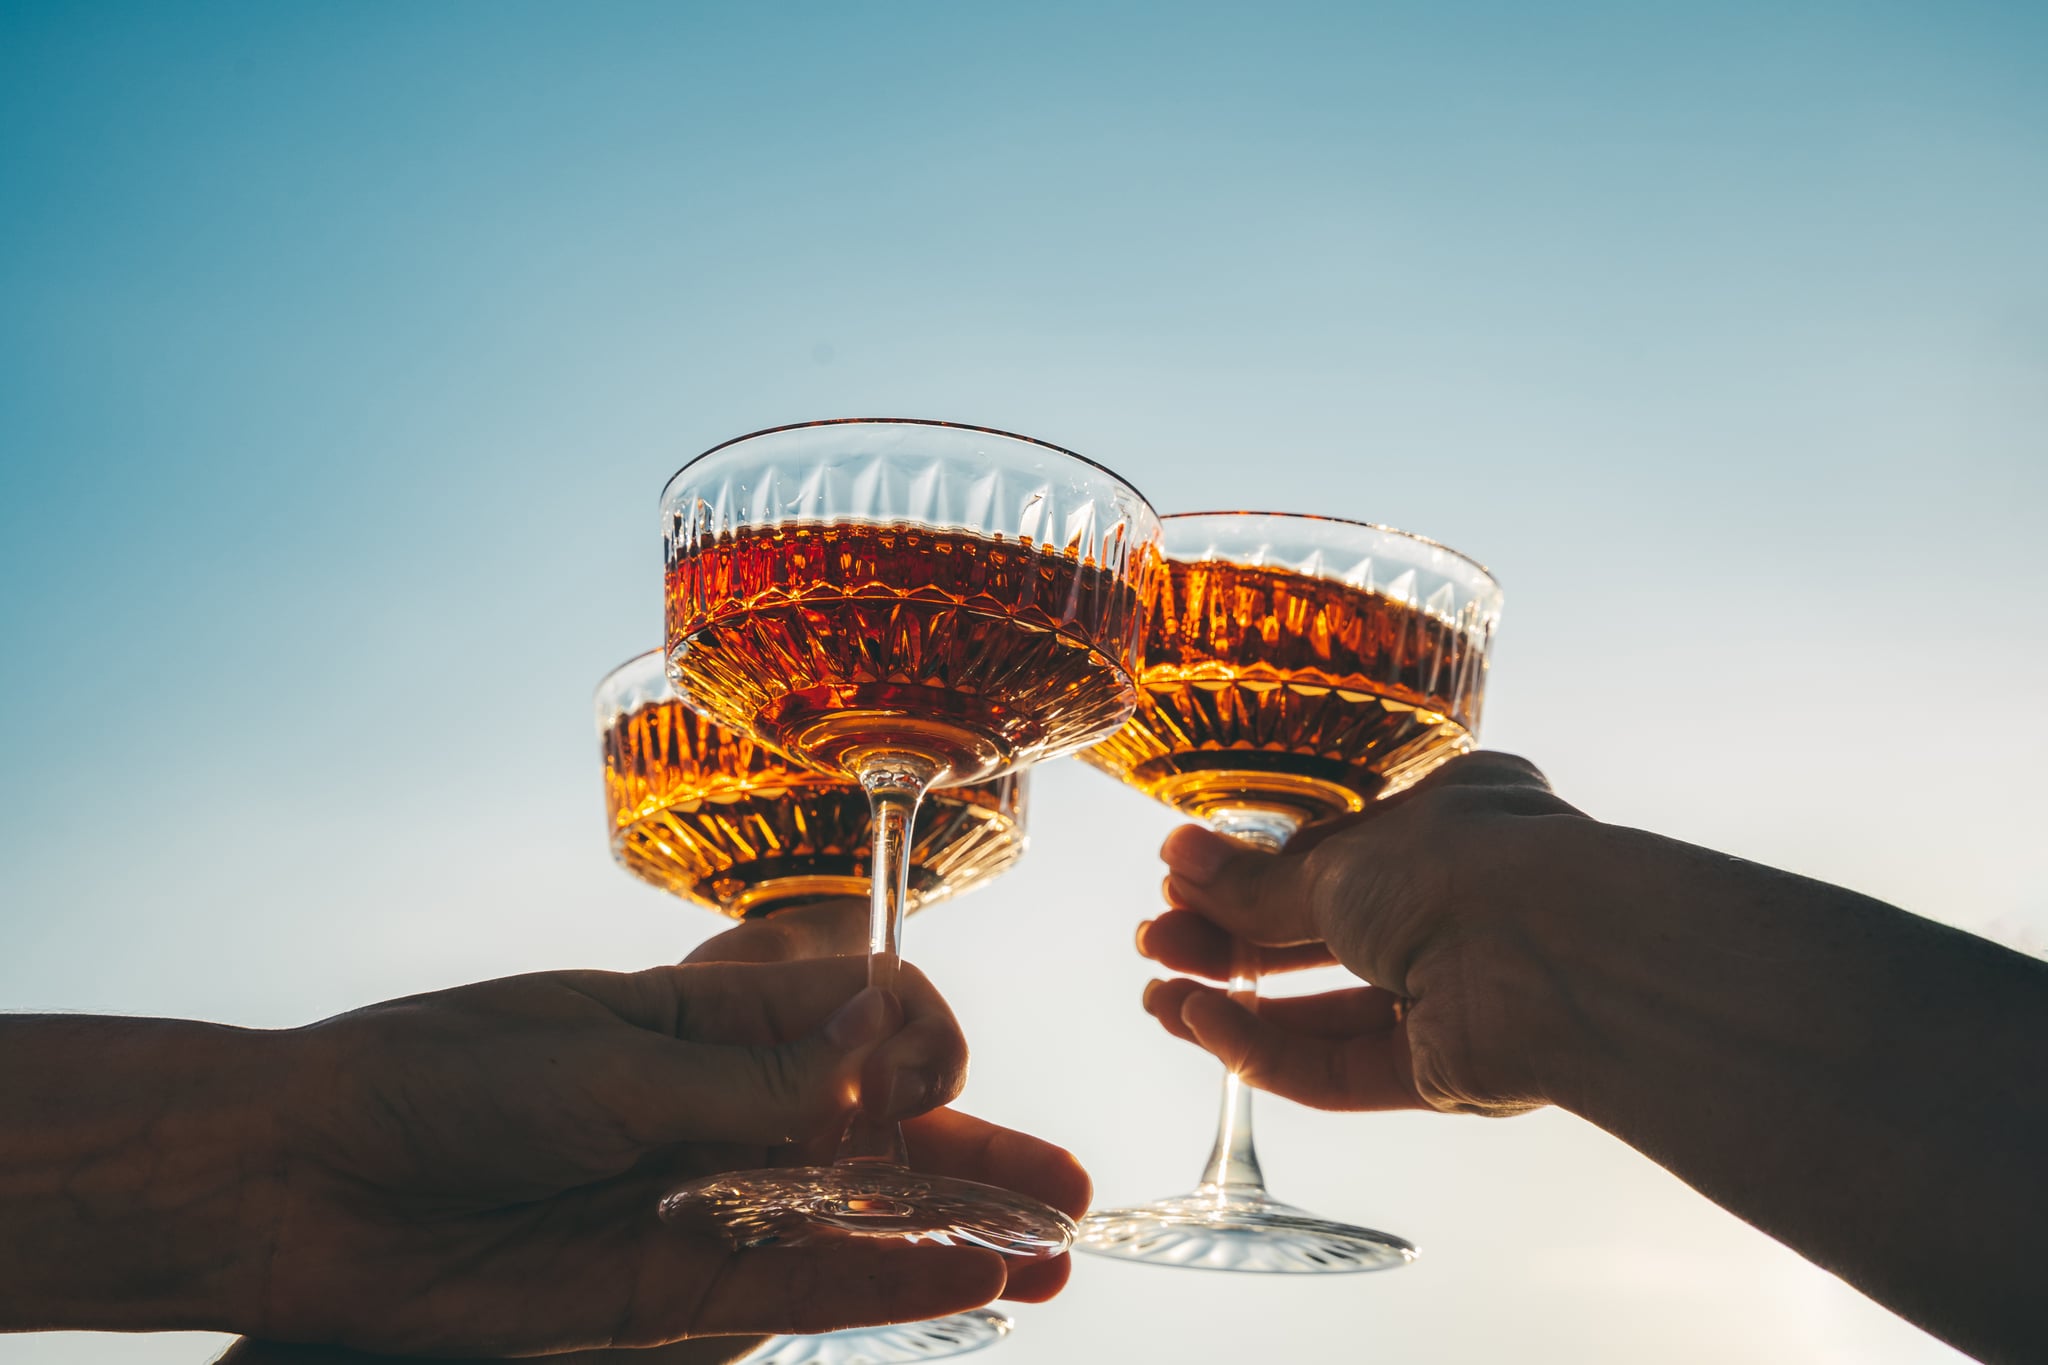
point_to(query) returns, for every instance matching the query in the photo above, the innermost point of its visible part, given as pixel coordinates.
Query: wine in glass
(1294, 668)
(910, 606)
(726, 822)
(717, 819)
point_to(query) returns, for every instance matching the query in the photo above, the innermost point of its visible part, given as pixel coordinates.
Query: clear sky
(344, 350)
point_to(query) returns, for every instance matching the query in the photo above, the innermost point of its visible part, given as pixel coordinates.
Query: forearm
(1862, 1084)
(135, 1175)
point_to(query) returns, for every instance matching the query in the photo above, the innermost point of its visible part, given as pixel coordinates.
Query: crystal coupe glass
(1294, 668)
(731, 825)
(722, 822)
(911, 606)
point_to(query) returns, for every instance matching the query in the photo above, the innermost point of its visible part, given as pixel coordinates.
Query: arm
(943, 1140)
(1860, 1083)
(1864, 1085)
(138, 1175)
(471, 1173)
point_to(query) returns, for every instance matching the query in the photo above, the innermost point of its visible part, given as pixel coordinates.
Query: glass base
(809, 1205)
(933, 1340)
(1244, 1232)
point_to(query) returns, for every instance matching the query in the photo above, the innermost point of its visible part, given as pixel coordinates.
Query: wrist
(138, 1173)
(1578, 900)
(1521, 958)
(1657, 954)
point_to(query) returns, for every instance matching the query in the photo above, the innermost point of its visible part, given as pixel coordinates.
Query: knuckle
(784, 1080)
(1496, 767)
(1458, 803)
(1450, 1078)
(947, 1067)
(1326, 875)
(777, 943)
(1436, 1084)
(1342, 883)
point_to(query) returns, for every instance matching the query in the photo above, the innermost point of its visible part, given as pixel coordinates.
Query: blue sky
(344, 351)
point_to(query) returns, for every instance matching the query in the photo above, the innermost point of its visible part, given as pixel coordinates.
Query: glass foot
(933, 1340)
(1250, 1233)
(799, 1205)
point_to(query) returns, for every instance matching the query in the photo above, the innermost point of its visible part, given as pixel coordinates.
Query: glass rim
(1381, 527)
(604, 679)
(1095, 465)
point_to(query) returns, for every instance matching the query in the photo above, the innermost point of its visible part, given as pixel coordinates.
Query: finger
(902, 1052)
(1332, 1014)
(948, 1142)
(924, 1064)
(1163, 999)
(1038, 1281)
(773, 1002)
(1351, 1013)
(1260, 897)
(667, 1092)
(1483, 768)
(727, 1002)
(829, 928)
(1271, 898)
(851, 1284)
(1182, 941)
(1362, 1072)
(1318, 1065)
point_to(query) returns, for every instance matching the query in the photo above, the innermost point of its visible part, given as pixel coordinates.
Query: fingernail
(1196, 854)
(909, 1090)
(867, 1018)
(1144, 927)
(1151, 989)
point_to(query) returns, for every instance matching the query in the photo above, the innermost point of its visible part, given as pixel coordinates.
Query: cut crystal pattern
(1306, 692)
(885, 473)
(898, 1345)
(848, 588)
(825, 1205)
(1246, 1233)
(713, 816)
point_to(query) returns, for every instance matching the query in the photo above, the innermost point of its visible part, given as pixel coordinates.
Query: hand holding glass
(908, 605)
(1293, 668)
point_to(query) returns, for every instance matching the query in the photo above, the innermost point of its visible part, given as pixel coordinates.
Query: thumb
(1257, 896)
(826, 929)
(791, 1092)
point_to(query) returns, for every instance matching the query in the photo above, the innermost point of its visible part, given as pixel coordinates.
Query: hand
(840, 926)
(828, 928)
(1440, 896)
(476, 1171)
(941, 1141)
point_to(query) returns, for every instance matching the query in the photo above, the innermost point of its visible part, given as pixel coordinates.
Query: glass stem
(895, 784)
(1233, 1169)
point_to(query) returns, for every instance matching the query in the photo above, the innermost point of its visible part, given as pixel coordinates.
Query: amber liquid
(708, 815)
(838, 642)
(1274, 690)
